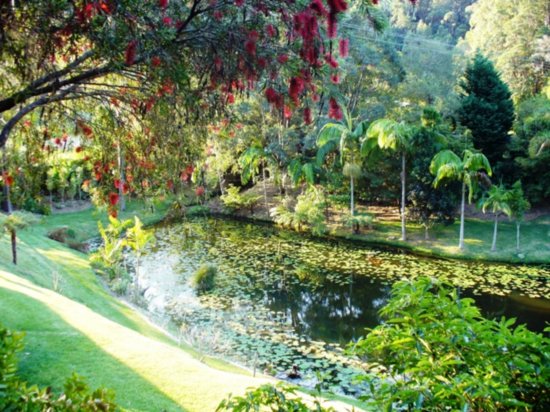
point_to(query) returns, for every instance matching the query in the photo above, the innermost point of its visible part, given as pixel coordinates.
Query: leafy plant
(496, 199)
(136, 239)
(309, 212)
(204, 279)
(233, 200)
(276, 398)
(108, 256)
(435, 352)
(358, 221)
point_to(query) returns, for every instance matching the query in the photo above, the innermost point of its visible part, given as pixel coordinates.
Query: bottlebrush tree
(136, 53)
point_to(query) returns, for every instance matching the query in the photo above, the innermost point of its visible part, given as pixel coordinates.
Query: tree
(343, 136)
(392, 135)
(507, 32)
(496, 199)
(56, 52)
(427, 204)
(446, 165)
(14, 222)
(486, 108)
(518, 206)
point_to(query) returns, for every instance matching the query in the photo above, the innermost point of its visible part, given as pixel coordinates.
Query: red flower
(113, 213)
(130, 54)
(239, 3)
(113, 198)
(335, 79)
(331, 61)
(57, 141)
(295, 88)
(230, 98)
(307, 115)
(218, 63)
(334, 110)
(199, 191)
(156, 61)
(318, 7)
(167, 21)
(344, 47)
(250, 47)
(270, 30)
(163, 4)
(287, 112)
(117, 183)
(283, 58)
(78, 149)
(8, 179)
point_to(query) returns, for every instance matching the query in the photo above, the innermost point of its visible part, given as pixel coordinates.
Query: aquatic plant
(204, 278)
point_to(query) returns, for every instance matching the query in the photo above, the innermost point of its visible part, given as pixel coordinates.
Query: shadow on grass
(54, 350)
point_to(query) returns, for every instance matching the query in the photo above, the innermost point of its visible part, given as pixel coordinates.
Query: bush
(17, 395)
(308, 213)
(358, 221)
(437, 353)
(233, 200)
(204, 278)
(277, 398)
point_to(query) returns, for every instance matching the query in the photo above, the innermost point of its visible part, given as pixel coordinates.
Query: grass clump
(204, 279)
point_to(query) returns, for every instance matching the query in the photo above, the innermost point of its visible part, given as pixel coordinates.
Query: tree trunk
(426, 233)
(352, 200)
(121, 166)
(403, 191)
(14, 246)
(265, 189)
(462, 205)
(494, 245)
(6, 206)
(518, 224)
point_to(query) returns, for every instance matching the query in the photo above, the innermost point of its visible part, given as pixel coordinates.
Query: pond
(282, 298)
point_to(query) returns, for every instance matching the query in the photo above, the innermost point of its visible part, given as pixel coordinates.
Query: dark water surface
(278, 292)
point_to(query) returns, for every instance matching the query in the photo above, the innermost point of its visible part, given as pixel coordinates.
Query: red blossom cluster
(334, 109)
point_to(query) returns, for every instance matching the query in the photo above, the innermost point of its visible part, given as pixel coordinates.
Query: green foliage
(435, 352)
(16, 395)
(204, 279)
(277, 398)
(497, 200)
(108, 257)
(486, 108)
(531, 164)
(233, 200)
(517, 202)
(309, 212)
(358, 221)
(511, 33)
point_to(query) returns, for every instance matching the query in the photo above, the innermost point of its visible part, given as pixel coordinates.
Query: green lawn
(535, 240)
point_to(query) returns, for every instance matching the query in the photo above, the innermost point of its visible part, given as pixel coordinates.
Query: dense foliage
(435, 352)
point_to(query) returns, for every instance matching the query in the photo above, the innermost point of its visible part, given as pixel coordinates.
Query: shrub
(356, 222)
(17, 395)
(308, 213)
(233, 200)
(204, 279)
(437, 353)
(277, 398)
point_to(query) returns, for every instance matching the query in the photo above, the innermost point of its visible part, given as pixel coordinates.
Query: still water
(283, 298)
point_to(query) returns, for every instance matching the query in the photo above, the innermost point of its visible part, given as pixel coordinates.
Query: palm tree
(446, 165)
(14, 222)
(496, 199)
(397, 136)
(343, 136)
(518, 205)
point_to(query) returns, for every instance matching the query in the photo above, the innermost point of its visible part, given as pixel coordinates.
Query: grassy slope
(90, 344)
(84, 329)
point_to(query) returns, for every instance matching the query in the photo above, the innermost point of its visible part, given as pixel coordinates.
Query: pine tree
(486, 108)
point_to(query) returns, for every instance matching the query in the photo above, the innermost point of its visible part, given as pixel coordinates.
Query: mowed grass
(81, 328)
(534, 239)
